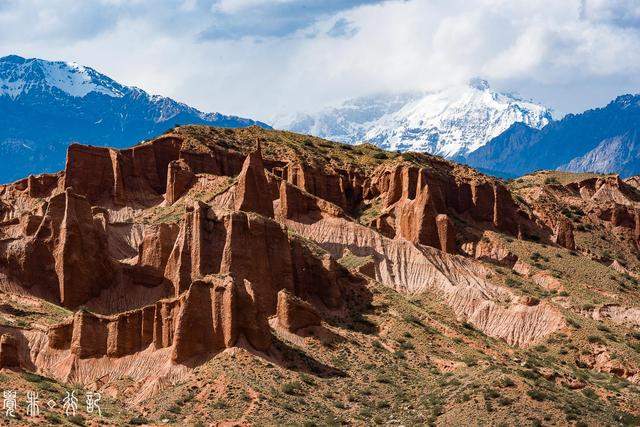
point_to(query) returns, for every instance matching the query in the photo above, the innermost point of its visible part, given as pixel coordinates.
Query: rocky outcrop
(564, 234)
(136, 175)
(42, 186)
(66, 260)
(179, 180)
(461, 283)
(446, 233)
(417, 219)
(294, 314)
(492, 249)
(295, 203)
(249, 247)
(9, 352)
(81, 261)
(416, 196)
(211, 316)
(59, 336)
(214, 315)
(251, 192)
(154, 251)
(330, 187)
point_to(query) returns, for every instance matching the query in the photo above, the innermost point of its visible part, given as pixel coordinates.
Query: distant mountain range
(44, 106)
(451, 122)
(604, 140)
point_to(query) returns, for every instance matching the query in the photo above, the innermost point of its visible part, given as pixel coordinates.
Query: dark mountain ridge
(45, 106)
(598, 140)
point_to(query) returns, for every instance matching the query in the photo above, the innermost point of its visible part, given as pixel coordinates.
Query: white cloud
(235, 6)
(571, 54)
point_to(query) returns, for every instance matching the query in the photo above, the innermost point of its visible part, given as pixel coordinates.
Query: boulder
(294, 313)
(9, 352)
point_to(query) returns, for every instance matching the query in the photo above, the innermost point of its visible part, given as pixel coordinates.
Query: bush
(380, 156)
(538, 395)
(76, 419)
(513, 283)
(551, 180)
(588, 392)
(594, 339)
(290, 388)
(383, 404)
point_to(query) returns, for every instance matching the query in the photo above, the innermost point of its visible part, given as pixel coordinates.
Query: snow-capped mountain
(348, 122)
(19, 76)
(451, 122)
(603, 140)
(44, 106)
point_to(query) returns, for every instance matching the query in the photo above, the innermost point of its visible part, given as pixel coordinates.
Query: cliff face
(187, 245)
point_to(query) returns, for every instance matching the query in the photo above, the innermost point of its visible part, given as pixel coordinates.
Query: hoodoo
(211, 256)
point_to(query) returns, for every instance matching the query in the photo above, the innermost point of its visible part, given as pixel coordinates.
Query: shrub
(551, 180)
(588, 392)
(383, 404)
(77, 420)
(290, 388)
(380, 156)
(513, 283)
(538, 395)
(377, 344)
(594, 339)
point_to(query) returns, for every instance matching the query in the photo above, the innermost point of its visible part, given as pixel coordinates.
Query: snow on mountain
(19, 76)
(44, 106)
(451, 122)
(347, 122)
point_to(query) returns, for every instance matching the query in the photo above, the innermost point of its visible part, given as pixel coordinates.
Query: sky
(261, 58)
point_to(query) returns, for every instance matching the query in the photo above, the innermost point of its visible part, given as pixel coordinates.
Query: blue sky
(260, 58)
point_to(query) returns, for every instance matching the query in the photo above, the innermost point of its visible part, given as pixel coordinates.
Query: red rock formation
(9, 352)
(154, 251)
(446, 234)
(636, 230)
(81, 257)
(66, 260)
(330, 187)
(179, 180)
(415, 196)
(297, 204)
(59, 336)
(251, 192)
(564, 233)
(29, 224)
(206, 319)
(138, 174)
(294, 313)
(42, 186)
(417, 220)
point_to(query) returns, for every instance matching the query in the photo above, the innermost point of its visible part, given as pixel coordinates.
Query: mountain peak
(20, 76)
(45, 105)
(450, 122)
(478, 83)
